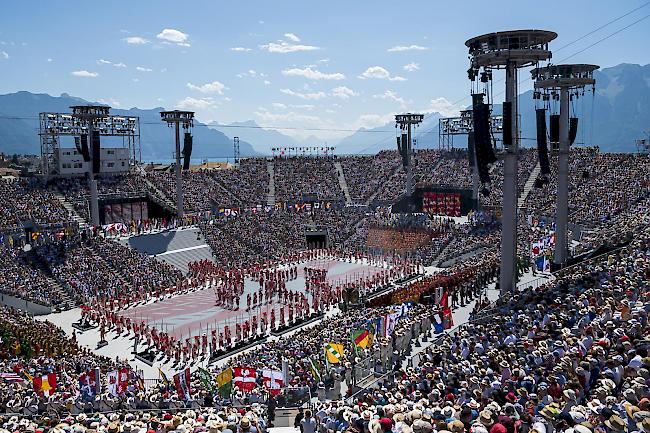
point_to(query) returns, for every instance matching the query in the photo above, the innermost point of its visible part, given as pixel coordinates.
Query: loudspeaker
(470, 148)
(187, 150)
(406, 148)
(482, 141)
(542, 148)
(81, 143)
(573, 129)
(96, 147)
(554, 130)
(507, 123)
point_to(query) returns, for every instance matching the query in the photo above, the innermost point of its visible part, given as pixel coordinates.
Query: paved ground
(177, 247)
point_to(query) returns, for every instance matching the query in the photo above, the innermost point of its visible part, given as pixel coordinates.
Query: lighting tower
(509, 50)
(186, 120)
(235, 145)
(565, 79)
(89, 115)
(404, 121)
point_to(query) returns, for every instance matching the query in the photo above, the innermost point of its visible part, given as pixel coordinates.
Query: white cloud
(285, 47)
(267, 82)
(240, 49)
(369, 121)
(85, 74)
(110, 101)
(380, 73)
(343, 92)
(174, 36)
(389, 94)
(4, 55)
(279, 105)
(136, 40)
(119, 65)
(135, 80)
(313, 74)
(290, 117)
(195, 104)
(104, 62)
(213, 87)
(443, 106)
(309, 96)
(292, 37)
(50, 60)
(412, 67)
(143, 69)
(407, 48)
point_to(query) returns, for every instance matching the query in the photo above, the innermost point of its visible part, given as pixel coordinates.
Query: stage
(195, 313)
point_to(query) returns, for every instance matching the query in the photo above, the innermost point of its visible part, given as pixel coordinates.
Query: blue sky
(328, 64)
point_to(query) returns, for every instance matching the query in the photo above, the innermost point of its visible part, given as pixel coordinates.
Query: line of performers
(229, 286)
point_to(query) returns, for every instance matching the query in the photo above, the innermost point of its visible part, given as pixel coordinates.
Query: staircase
(343, 183)
(528, 186)
(71, 210)
(159, 197)
(39, 264)
(270, 197)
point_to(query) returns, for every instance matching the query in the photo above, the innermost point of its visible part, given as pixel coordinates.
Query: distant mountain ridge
(19, 128)
(618, 114)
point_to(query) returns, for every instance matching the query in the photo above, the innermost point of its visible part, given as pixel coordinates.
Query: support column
(179, 179)
(562, 209)
(92, 182)
(409, 166)
(508, 278)
(476, 182)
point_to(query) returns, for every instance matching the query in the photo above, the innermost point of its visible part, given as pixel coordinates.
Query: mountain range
(612, 118)
(19, 128)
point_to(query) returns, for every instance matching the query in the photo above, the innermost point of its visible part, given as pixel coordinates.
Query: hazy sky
(325, 64)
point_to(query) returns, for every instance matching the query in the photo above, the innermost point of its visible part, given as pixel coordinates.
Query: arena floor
(194, 313)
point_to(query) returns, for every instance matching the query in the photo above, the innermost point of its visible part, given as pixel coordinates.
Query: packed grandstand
(568, 352)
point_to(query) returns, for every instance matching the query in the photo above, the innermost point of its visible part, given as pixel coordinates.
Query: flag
(273, 381)
(206, 379)
(45, 385)
(28, 376)
(447, 319)
(182, 384)
(391, 321)
(315, 368)
(224, 382)
(361, 338)
(244, 378)
(444, 299)
(89, 384)
(11, 377)
(333, 353)
(163, 377)
(140, 381)
(438, 326)
(117, 381)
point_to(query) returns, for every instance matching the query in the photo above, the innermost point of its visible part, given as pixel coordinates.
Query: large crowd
(568, 356)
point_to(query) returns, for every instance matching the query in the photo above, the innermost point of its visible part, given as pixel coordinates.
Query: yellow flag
(334, 353)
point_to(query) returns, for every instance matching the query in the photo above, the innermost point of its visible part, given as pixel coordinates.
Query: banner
(45, 385)
(89, 385)
(224, 382)
(245, 378)
(273, 381)
(182, 384)
(118, 381)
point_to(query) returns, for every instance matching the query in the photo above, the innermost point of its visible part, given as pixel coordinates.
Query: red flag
(273, 381)
(45, 385)
(444, 300)
(447, 319)
(245, 378)
(182, 383)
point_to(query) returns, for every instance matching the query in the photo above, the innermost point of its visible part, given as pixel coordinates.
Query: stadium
(492, 283)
